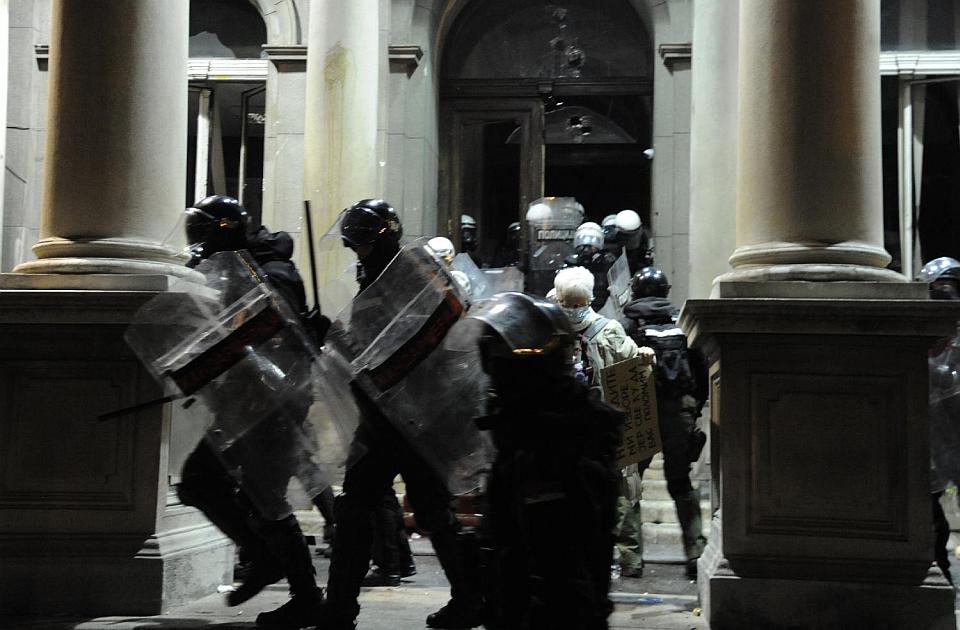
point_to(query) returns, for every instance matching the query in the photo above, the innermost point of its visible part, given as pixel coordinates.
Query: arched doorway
(543, 99)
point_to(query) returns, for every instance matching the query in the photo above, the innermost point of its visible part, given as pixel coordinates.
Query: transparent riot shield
(618, 283)
(945, 411)
(551, 225)
(233, 343)
(487, 282)
(387, 345)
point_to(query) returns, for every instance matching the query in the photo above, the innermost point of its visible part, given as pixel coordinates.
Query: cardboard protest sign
(629, 386)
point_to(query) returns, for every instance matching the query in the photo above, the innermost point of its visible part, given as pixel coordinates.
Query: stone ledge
(36, 306)
(798, 289)
(85, 281)
(795, 316)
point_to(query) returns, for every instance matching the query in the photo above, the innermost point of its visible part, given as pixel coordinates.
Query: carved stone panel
(824, 456)
(54, 454)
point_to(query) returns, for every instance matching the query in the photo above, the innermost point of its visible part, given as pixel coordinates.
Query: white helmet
(539, 212)
(628, 221)
(466, 221)
(442, 247)
(589, 234)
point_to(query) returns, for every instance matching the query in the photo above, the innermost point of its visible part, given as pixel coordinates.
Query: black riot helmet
(649, 282)
(513, 232)
(526, 340)
(362, 225)
(386, 212)
(217, 223)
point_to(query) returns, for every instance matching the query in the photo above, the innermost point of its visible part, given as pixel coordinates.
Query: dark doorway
(583, 72)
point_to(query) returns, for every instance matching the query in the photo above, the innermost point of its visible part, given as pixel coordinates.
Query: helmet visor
(198, 224)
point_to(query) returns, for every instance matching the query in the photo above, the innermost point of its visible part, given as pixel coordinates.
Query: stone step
(656, 489)
(664, 511)
(667, 534)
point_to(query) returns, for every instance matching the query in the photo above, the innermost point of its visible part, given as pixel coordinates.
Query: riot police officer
(468, 238)
(366, 231)
(681, 383)
(554, 479)
(589, 253)
(508, 253)
(277, 547)
(942, 276)
(635, 239)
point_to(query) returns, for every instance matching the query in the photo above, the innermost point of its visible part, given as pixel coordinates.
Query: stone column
(113, 183)
(819, 419)
(809, 201)
(342, 109)
(713, 143)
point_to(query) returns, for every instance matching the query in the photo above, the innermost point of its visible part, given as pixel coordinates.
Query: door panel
(491, 165)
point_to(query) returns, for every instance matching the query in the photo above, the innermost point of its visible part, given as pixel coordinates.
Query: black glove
(317, 324)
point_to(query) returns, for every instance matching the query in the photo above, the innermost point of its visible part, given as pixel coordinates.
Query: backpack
(675, 377)
(583, 366)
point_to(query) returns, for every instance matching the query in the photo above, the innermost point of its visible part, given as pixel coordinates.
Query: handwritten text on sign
(629, 386)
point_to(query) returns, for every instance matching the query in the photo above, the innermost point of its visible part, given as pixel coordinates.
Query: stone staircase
(662, 541)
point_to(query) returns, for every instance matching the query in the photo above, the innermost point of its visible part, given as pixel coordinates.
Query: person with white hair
(603, 342)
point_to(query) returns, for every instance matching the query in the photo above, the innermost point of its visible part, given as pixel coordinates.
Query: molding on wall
(404, 58)
(920, 62)
(287, 57)
(671, 54)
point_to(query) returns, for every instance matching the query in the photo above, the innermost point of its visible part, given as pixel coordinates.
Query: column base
(733, 602)
(102, 266)
(104, 255)
(810, 272)
(789, 253)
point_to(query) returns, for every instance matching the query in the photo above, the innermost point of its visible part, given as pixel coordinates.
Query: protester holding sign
(602, 342)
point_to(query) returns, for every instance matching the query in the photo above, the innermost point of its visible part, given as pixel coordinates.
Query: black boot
(454, 553)
(286, 542)
(207, 486)
(691, 526)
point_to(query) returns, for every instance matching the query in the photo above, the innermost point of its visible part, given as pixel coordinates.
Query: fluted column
(713, 143)
(113, 183)
(343, 78)
(809, 191)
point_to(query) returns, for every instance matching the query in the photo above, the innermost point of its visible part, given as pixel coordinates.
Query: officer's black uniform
(277, 548)
(386, 454)
(555, 480)
(681, 380)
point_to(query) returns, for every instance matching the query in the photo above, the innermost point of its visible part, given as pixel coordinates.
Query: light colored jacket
(608, 345)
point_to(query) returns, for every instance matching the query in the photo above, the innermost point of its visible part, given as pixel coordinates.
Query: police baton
(317, 323)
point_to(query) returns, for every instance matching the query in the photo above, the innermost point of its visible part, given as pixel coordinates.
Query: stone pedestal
(821, 458)
(89, 523)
